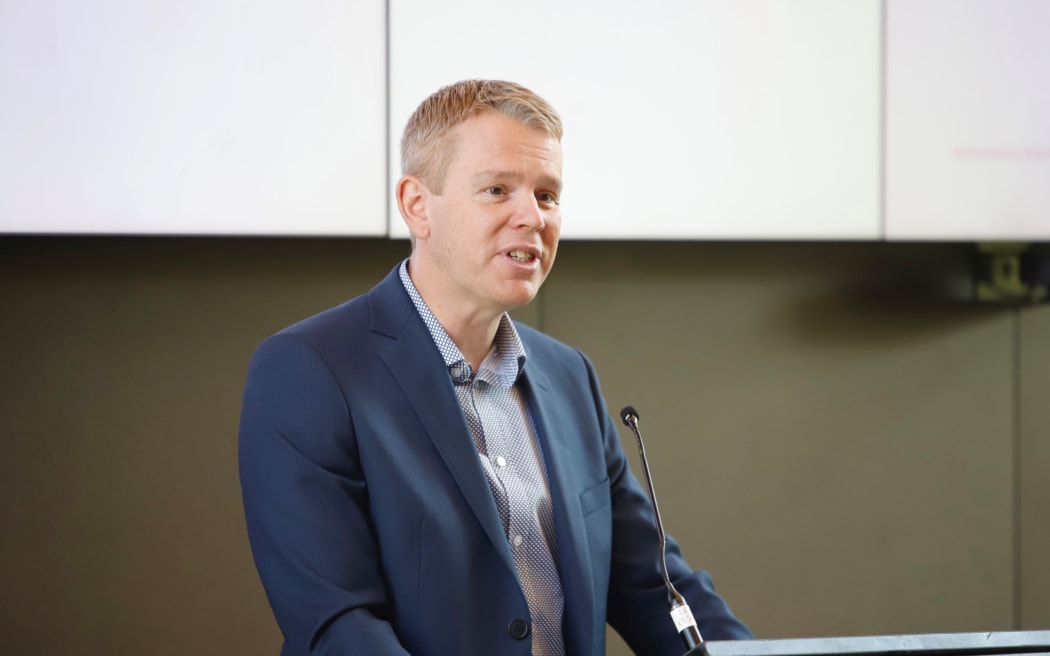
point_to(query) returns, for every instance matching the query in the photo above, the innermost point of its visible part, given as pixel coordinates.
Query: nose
(531, 215)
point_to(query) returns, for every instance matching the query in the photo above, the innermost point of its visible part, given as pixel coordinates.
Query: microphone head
(628, 412)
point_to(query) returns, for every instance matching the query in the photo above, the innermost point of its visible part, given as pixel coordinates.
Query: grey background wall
(837, 434)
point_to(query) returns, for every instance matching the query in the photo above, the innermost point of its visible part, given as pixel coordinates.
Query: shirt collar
(501, 367)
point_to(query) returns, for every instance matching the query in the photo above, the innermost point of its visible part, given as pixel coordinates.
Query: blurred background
(778, 218)
(848, 445)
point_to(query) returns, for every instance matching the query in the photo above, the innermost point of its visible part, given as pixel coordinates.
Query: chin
(520, 296)
(514, 304)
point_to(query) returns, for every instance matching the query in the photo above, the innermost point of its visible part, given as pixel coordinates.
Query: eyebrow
(494, 174)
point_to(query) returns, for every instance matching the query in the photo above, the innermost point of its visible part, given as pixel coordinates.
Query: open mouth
(523, 257)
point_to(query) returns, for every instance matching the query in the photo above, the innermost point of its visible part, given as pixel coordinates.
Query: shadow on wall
(887, 312)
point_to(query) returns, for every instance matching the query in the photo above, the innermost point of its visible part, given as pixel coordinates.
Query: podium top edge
(994, 642)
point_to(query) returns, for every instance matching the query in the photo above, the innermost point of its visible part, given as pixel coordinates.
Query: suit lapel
(548, 412)
(408, 350)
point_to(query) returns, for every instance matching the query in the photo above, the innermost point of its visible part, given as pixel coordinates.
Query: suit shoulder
(387, 299)
(343, 334)
(543, 346)
(340, 318)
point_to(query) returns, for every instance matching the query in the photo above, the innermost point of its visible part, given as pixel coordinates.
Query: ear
(412, 197)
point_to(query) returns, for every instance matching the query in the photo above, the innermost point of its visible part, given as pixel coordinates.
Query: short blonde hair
(427, 142)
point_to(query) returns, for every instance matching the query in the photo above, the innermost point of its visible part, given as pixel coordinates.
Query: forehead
(490, 139)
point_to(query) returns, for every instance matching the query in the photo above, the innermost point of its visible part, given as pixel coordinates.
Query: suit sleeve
(637, 603)
(305, 502)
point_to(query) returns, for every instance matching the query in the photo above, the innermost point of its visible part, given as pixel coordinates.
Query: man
(423, 476)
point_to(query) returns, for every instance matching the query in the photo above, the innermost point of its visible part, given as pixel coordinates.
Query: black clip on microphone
(680, 613)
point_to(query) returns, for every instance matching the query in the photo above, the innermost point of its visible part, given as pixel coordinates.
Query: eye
(495, 190)
(547, 198)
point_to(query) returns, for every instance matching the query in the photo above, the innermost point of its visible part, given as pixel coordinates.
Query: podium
(941, 644)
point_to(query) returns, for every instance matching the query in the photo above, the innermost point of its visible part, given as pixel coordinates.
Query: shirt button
(456, 371)
(517, 540)
(501, 461)
(518, 629)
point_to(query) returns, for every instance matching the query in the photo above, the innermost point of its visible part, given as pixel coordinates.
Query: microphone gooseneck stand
(680, 613)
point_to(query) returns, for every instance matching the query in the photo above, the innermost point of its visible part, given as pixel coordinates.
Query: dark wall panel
(832, 428)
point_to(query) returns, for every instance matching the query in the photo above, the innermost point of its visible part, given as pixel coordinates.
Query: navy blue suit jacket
(371, 521)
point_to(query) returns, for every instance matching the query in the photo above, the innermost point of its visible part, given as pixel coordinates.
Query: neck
(473, 339)
(472, 329)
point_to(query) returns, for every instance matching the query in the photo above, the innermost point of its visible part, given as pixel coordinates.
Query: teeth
(521, 256)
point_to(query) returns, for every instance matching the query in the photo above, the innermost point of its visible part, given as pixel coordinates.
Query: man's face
(493, 231)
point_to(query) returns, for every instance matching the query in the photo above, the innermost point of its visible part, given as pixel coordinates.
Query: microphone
(680, 613)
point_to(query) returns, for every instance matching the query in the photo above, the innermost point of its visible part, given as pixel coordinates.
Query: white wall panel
(748, 119)
(968, 119)
(193, 117)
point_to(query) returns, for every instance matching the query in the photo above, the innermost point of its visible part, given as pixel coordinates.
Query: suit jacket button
(518, 629)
